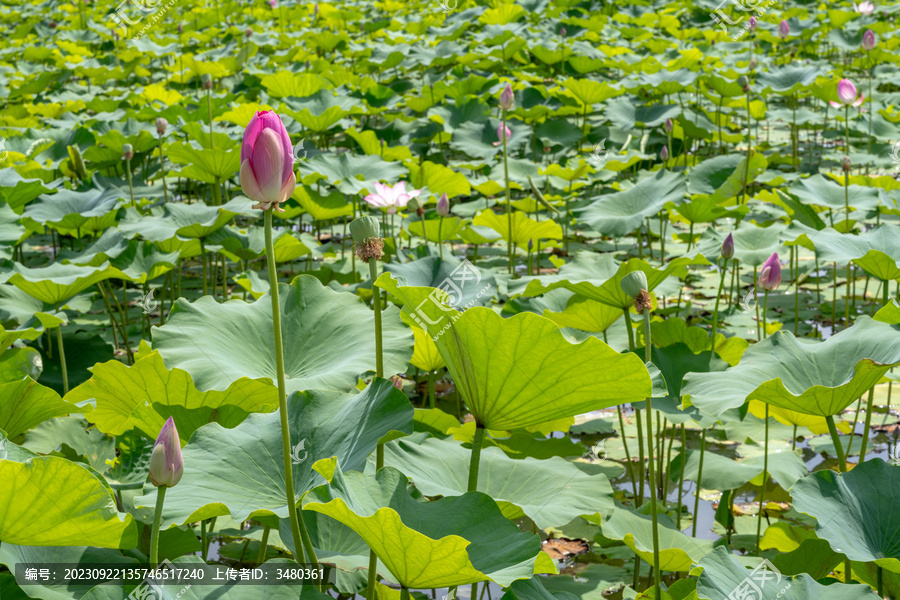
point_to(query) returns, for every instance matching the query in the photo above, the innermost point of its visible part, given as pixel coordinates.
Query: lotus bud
(443, 205)
(744, 83)
(783, 29)
(846, 163)
(530, 244)
(366, 233)
(166, 462)
(180, 28)
(272, 3)
(770, 275)
(752, 24)
(668, 126)
(127, 152)
(664, 154)
(500, 129)
(562, 32)
(635, 285)
(267, 161)
(868, 41)
(249, 32)
(397, 381)
(161, 125)
(752, 64)
(846, 91)
(506, 98)
(728, 247)
(206, 81)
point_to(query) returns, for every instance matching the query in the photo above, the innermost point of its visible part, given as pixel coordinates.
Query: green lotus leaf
(500, 365)
(316, 320)
(874, 250)
(449, 274)
(56, 283)
(51, 501)
(808, 377)
(820, 191)
(239, 245)
(206, 164)
(19, 191)
(26, 403)
(437, 230)
(145, 394)
(142, 262)
(628, 115)
(787, 79)
(677, 551)
(620, 213)
(320, 207)
(8, 336)
(452, 541)
(219, 480)
(855, 511)
(534, 589)
(723, 574)
(741, 176)
(198, 220)
(723, 473)
(351, 174)
(550, 492)
(582, 313)
(107, 247)
(70, 210)
(752, 244)
(596, 276)
(524, 228)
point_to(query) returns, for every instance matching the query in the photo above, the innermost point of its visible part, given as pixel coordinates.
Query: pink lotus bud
(397, 381)
(728, 247)
(664, 154)
(770, 276)
(668, 126)
(166, 462)
(506, 98)
(783, 29)
(443, 205)
(500, 128)
(180, 28)
(562, 32)
(267, 161)
(868, 41)
(752, 23)
(272, 3)
(161, 125)
(846, 92)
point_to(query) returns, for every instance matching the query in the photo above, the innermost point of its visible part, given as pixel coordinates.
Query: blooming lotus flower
(728, 247)
(868, 41)
(770, 276)
(443, 205)
(391, 198)
(506, 98)
(846, 92)
(783, 29)
(864, 8)
(166, 462)
(267, 161)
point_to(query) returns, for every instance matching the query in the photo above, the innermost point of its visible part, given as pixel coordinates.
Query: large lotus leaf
(752, 244)
(628, 115)
(209, 590)
(56, 283)
(816, 424)
(207, 164)
(68, 209)
(595, 278)
(145, 394)
(723, 576)
(142, 262)
(349, 173)
(524, 228)
(808, 377)
(247, 245)
(240, 471)
(677, 551)
(521, 371)
(329, 339)
(621, 213)
(877, 251)
(425, 354)
(582, 313)
(551, 492)
(51, 501)
(723, 473)
(108, 246)
(26, 403)
(855, 511)
(437, 229)
(8, 336)
(19, 191)
(198, 220)
(11, 555)
(468, 285)
(821, 191)
(452, 541)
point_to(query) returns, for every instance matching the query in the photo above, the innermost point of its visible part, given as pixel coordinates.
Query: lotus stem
(762, 488)
(756, 305)
(651, 466)
(681, 476)
(263, 546)
(62, 356)
(853, 427)
(203, 258)
(715, 325)
(699, 479)
(424, 232)
(217, 193)
(508, 201)
(477, 442)
(765, 309)
(879, 578)
(209, 109)
(627, 453)
(839, 450)
(868, 424)
(376, 304)
(404, 592)
(162, 171)
(282, 388)
(431, 389)
(440, 240)
(130, 186)
(749, 144)
(154, 535)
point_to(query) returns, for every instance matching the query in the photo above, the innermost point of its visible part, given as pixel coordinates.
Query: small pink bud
(868, 41)
(770, 275)
(783, 29)
(443, 205)
(728, 247)
(664, 154)
(506, 98)
(166, 462)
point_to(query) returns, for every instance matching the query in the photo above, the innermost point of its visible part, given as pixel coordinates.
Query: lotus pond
(545, 300)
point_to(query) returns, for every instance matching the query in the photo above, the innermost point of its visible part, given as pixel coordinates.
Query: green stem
(762, 488)
(747, 165)
(431, 389)
(282, 392)
(756, 305)
(699, 479)
(62, 358)
(217, 193)
(154, 535)
(477, 442)
(162, 171)
(205, 275)
(681, 476)
(839, 450)
(130, 186)
(376, 304)
(209, 108)
(650, 463)
(715, 325)
(263, 546)
(627, 453)
(508, 201)
(440, 241)
(868, 424)
(765, 307)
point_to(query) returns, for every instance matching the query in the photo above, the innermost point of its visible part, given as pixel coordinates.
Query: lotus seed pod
(846, 163)
(634, 282)
(127, 151)
(161, 125)
(366, 232)
(206, 80)
(744, 83)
